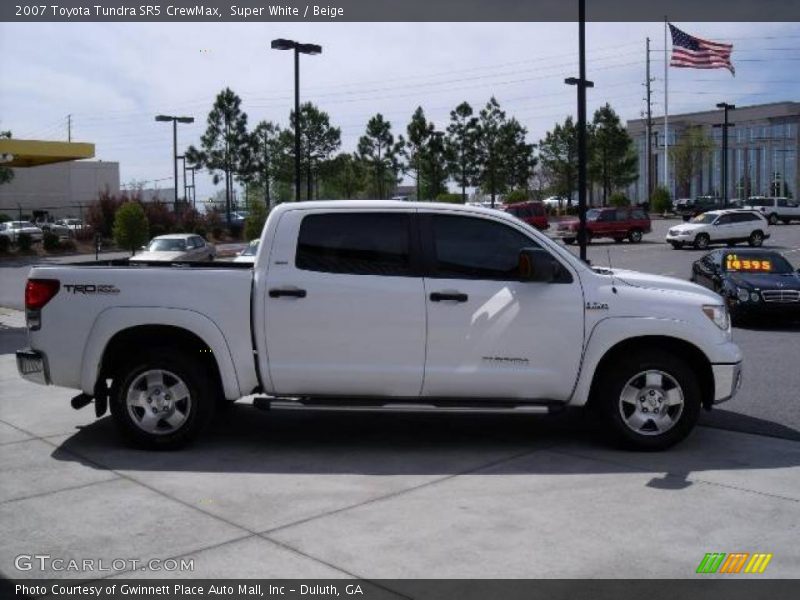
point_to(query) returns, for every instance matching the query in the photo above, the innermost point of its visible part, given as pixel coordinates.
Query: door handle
(292, 293)
(443, 296)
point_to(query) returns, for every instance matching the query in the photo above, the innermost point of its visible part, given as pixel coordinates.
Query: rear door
(345, 307)
(724, 229)
(491, 335)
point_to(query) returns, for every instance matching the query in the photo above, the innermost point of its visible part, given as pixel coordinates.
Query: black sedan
(752, 282)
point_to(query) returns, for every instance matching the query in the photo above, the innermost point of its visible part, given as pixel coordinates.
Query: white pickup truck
(366, 305)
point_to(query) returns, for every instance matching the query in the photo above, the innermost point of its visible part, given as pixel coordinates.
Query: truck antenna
(611, 268)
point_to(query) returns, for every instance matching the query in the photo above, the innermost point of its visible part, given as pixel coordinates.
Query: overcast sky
(113, 78)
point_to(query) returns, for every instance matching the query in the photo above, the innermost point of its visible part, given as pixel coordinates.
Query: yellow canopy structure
(33, 153)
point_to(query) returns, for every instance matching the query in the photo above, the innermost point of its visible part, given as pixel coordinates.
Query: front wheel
(756, 239)
(701, 241)
(635, 236)
(676, 245)
(161, 401)
(773, 219)
(650, 401)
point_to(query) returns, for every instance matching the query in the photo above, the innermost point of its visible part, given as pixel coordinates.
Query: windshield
(593, 214)
(771, 262)
(705, 218)
(251, 249)
(167, 245)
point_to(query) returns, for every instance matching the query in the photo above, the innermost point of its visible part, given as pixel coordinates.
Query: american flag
(693, 53)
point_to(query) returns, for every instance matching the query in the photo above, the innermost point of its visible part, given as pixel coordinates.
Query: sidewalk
(386, 496)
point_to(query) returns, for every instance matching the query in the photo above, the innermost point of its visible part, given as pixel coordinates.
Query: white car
(13, 229)
(720, 227)
(377, 305)
(177, 247)
(775, 209)
(248, 255)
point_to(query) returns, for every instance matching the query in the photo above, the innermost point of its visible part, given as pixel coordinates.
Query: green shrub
(660, 201)
(130, 226)
(254, 223)
(50, 241)
(5, 244)
(24, 242)
(449, 198)
(515, 196)
(4, 217)
(619, 199)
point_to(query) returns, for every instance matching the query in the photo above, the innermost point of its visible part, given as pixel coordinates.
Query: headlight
(742, 294)
(717, 313)
(754, 297)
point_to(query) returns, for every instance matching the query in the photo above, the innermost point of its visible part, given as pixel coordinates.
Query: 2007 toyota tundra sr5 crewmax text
(382, 305)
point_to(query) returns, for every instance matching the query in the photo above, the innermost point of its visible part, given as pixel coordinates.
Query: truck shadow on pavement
(246, 440)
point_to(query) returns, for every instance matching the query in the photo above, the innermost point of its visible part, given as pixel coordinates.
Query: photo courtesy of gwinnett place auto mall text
(400, 300)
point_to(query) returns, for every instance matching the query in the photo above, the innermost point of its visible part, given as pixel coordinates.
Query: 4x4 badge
(596, 306)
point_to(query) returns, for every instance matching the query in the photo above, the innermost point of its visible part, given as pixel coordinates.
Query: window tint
(725, 220)
(782, 202)
(471, 248)
(622, 214)
(355, 243)
(638, 213)
(537, 210)
(744, 217)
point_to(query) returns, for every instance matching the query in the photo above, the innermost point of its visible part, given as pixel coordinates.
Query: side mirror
(538, 265)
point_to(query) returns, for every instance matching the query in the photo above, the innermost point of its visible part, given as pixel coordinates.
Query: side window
(638, 214)
(782, 202)
(537, 210)
(622, 214)
(724, 220)
(355, 243)
(474, 248)
(198, 242)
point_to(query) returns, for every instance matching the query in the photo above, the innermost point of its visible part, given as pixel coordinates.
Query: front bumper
(32, 365)
(727, 381)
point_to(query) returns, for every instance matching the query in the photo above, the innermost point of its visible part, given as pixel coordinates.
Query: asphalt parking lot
(388, 496)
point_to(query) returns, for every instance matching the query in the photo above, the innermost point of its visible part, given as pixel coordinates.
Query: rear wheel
(773, 219)
(161, 401)
(701, 241)
(676, 245)
(650, 401)
(635, 236)
(756, 239)
(618, 240)
(786, 221)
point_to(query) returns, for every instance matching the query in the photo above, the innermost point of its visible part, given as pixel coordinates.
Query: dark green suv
(691, 207)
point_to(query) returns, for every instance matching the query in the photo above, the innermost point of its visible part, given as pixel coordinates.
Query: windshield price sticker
(734, 263)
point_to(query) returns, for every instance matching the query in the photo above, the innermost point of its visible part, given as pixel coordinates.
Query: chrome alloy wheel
(158, 402)
(651, 403)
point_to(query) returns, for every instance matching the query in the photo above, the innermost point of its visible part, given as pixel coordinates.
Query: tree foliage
(612, 159)
(6, 173)
(254, 223)
(130, 226)
(462, 138)
(266, 157)
(689, 155)
(379, 152)
(558, 153)
(225, 147)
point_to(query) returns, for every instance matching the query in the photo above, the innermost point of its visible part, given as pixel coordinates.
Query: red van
(532, 212)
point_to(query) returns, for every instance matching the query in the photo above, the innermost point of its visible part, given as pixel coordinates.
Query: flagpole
(666, 110)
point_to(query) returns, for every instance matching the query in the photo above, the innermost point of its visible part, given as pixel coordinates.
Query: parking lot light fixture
(312, 49)
(175, 120)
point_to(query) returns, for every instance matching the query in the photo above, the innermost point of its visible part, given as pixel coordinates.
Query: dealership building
(763, 157)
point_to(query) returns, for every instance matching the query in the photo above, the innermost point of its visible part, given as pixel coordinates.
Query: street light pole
(582, 84)
(283, 44)
(725, 124)
(175, 120)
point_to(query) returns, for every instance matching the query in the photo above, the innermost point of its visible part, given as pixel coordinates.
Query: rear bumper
(727, 381)
(32, 365)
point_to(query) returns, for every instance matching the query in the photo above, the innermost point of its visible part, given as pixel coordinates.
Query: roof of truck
(373, 204)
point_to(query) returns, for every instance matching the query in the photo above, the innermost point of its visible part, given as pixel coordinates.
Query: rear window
(355, 243)
(760, 202)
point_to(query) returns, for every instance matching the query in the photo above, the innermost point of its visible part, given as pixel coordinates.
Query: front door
(491, 335)
(345, 310)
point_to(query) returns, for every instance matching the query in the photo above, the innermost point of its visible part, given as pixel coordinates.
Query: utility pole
(649, 152)
(582, 84)
(724, 125)
(69, 128)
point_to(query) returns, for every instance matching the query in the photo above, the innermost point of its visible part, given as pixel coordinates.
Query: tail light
(39, 292)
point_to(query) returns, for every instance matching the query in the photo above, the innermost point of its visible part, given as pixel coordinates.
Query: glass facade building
(763, 157)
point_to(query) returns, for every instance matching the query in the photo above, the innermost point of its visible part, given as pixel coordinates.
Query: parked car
(775, 209)
(629, 222)
(691, 207)
(177, 247)
(752, 282)
(13, 229)
(555, 202)
(730, 226)
(373, 301)
(58, 228)
(75, 225)
(248, 255)
(531, 212)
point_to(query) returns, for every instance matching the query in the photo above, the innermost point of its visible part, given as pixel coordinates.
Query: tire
(676, 245)
(569, 241)
(773, 219)
(649, 401)
(635, 236)
(786, 221)
(618, 240)
(756, 238)
(702, 241)
(144, 384)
